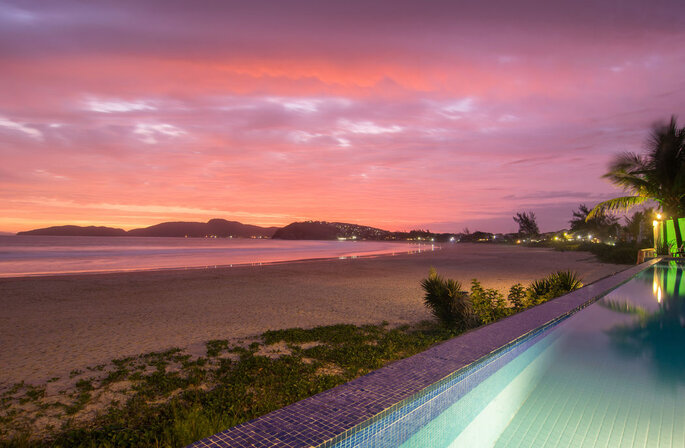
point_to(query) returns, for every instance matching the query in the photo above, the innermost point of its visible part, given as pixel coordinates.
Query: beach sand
(52, 325)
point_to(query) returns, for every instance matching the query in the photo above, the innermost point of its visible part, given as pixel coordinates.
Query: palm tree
(658, 175)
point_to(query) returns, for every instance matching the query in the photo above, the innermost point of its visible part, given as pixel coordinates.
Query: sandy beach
(52, 325)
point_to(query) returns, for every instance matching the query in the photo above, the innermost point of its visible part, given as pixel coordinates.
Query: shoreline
(54, 324)
(415, 248)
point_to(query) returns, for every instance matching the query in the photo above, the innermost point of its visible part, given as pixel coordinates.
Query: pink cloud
(391, 114)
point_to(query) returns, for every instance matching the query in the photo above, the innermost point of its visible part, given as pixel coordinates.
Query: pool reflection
(657, 335)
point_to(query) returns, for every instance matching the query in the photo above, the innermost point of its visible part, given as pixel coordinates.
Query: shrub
(621, 253)
(488, 304)
(448, 303)
(663, 247)
(518, 298)
(554, 285)
(565, 281)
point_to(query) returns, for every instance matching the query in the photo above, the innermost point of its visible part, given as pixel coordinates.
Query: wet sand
(52, 325)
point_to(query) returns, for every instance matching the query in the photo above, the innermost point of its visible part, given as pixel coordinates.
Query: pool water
(611, 375)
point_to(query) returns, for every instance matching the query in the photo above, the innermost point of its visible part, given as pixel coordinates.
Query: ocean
(22, 256)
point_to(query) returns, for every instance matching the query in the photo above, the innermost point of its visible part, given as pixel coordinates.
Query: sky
(395, 114)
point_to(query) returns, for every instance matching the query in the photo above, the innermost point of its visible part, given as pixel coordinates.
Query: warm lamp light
(655, 223)
(658, 216)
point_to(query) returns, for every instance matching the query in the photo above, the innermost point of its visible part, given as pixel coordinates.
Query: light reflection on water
(617, 364)
(612, 374)
(43, 255)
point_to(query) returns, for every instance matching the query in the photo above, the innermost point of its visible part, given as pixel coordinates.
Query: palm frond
(628, 162)
(629, 181)
(617, 204)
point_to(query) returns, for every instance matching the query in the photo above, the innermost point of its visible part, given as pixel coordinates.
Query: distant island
(76, 231)
(221, 228)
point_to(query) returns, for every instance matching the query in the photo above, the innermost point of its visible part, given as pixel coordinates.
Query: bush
(518, 298)
(488, 304)
(448, 303)
(621, 253)
(663, 247)
(554, 285)
(565, 281)
(458, 312)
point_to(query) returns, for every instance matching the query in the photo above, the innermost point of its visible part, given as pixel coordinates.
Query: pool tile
(369, 410)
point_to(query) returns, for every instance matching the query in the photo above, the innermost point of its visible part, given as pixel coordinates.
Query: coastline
(161, 256)
(52, 325)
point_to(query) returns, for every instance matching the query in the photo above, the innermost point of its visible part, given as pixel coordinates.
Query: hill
(322, 230)
(214, 227)
(76, 231)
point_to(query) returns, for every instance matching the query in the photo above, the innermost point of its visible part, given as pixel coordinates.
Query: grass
(170, 399)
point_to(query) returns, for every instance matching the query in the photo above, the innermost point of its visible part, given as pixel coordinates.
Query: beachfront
(54, 325)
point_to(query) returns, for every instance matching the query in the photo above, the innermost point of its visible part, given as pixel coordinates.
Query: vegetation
(601, 225)
(658, 175)
(639, 226)
(527, 224)
(488, 304)
(662, 246)
(617, 253)
(449, 304)
(169, 399)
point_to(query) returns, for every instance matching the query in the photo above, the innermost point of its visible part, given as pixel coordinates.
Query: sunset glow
(397, 114)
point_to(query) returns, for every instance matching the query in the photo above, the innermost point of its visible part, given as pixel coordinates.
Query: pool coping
(328, 417)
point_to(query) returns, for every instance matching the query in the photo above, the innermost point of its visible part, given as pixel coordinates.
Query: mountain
(322, 230)
(76, 231)
(214, 227)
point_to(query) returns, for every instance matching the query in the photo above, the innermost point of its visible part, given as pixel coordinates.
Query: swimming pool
(573, 371)
(611, 374)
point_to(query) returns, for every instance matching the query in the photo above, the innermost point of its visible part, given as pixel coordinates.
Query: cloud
(297, 105)
(150, 132)
(368, 127)
(457, 108)
(13, 125)
(460, 103)
(44, 173)
(557, 195)
(114, 106)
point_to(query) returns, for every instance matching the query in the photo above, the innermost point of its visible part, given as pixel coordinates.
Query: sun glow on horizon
(441, 115)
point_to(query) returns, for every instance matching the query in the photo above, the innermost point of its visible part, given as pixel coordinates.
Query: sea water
(49, 255)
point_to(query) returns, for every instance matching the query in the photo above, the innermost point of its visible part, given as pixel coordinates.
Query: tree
(527, 224)
(601, 224)
(639, 224)
(658, 175)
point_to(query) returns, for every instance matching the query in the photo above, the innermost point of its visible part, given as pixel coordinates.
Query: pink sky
(395, 114)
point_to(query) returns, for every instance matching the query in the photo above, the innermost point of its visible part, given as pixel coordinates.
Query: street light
(657, 230)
